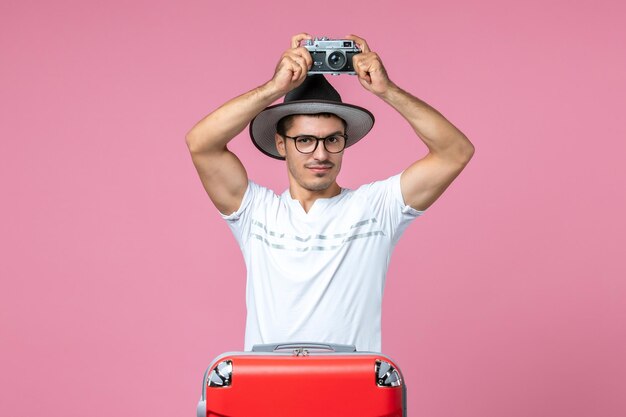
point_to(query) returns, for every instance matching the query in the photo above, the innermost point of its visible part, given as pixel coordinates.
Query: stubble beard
(320, 182)
(319, 186)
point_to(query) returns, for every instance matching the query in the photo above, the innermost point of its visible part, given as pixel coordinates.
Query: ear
(280, 145)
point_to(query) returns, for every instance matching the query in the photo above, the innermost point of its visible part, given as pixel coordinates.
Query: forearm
(440, 136)
(213, 132)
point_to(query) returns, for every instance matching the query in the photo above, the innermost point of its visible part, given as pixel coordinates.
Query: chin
(318, 186)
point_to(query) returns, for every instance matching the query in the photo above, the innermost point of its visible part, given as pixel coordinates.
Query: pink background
(120, 282)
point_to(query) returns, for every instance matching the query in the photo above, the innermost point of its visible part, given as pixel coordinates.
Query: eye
(304, 139)
(335, 139)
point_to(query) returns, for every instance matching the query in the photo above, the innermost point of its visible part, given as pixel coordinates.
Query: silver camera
(331, 56)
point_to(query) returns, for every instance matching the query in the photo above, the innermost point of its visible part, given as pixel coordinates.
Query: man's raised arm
(223, 176)
(449, 149)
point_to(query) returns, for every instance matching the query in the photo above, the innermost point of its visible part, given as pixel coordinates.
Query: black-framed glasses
(334, 143)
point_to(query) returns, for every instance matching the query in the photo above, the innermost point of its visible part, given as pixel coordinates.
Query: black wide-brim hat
(315, 95)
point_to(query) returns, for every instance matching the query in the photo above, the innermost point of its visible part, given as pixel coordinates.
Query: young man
(317, 254)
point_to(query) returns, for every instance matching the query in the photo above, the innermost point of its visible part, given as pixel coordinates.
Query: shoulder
(260, 191)
(255, 196)
(385, 186)
(386, 194)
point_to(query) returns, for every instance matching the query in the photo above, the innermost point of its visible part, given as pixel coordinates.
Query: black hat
(315, 95)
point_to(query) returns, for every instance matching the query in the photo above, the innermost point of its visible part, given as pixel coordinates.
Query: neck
(308, 197)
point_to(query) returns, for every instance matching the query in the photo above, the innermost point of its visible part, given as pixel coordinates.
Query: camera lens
(336, 60)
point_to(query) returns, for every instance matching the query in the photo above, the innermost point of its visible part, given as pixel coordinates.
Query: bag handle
(333, 347)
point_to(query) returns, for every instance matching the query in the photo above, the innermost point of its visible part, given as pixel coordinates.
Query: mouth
(319, 168)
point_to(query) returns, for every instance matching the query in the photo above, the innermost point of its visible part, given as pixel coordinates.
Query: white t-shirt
(318, 276)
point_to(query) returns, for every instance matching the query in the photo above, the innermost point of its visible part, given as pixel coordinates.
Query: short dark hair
(286, 122)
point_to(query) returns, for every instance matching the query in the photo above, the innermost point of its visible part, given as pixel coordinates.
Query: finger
(302, 61)
(304, 53)
(299, 57)
(296, 39)
(364, 75)
(369, 61)
(296, 74)
(360, 42)
(365, 66)
(361, 64)
(297, 68)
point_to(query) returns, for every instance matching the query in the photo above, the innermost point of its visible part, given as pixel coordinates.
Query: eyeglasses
(308, 144)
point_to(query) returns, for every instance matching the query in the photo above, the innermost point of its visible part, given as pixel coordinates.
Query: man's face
(316, 171)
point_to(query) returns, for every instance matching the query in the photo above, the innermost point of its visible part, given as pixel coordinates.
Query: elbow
(466, 149)
(189, 138)
(191, 141)
(464, 152)
(199, 145)
(468, 152)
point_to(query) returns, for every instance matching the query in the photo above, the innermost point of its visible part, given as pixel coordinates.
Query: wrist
(270, 91)
(391, 91)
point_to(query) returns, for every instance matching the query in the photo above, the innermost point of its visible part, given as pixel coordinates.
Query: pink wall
(119, 281)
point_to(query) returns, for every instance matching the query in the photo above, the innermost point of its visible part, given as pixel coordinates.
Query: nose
(320, 153)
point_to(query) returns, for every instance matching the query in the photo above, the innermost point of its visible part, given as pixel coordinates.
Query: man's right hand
(293, 67)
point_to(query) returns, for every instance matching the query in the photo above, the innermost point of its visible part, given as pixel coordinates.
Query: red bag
(302, 379)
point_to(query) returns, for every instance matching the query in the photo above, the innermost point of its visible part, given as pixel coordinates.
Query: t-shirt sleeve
(385, 198)
(239, 221)
(396, 192)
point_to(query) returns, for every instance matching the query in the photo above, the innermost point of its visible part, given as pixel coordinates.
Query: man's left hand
(369, 68)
